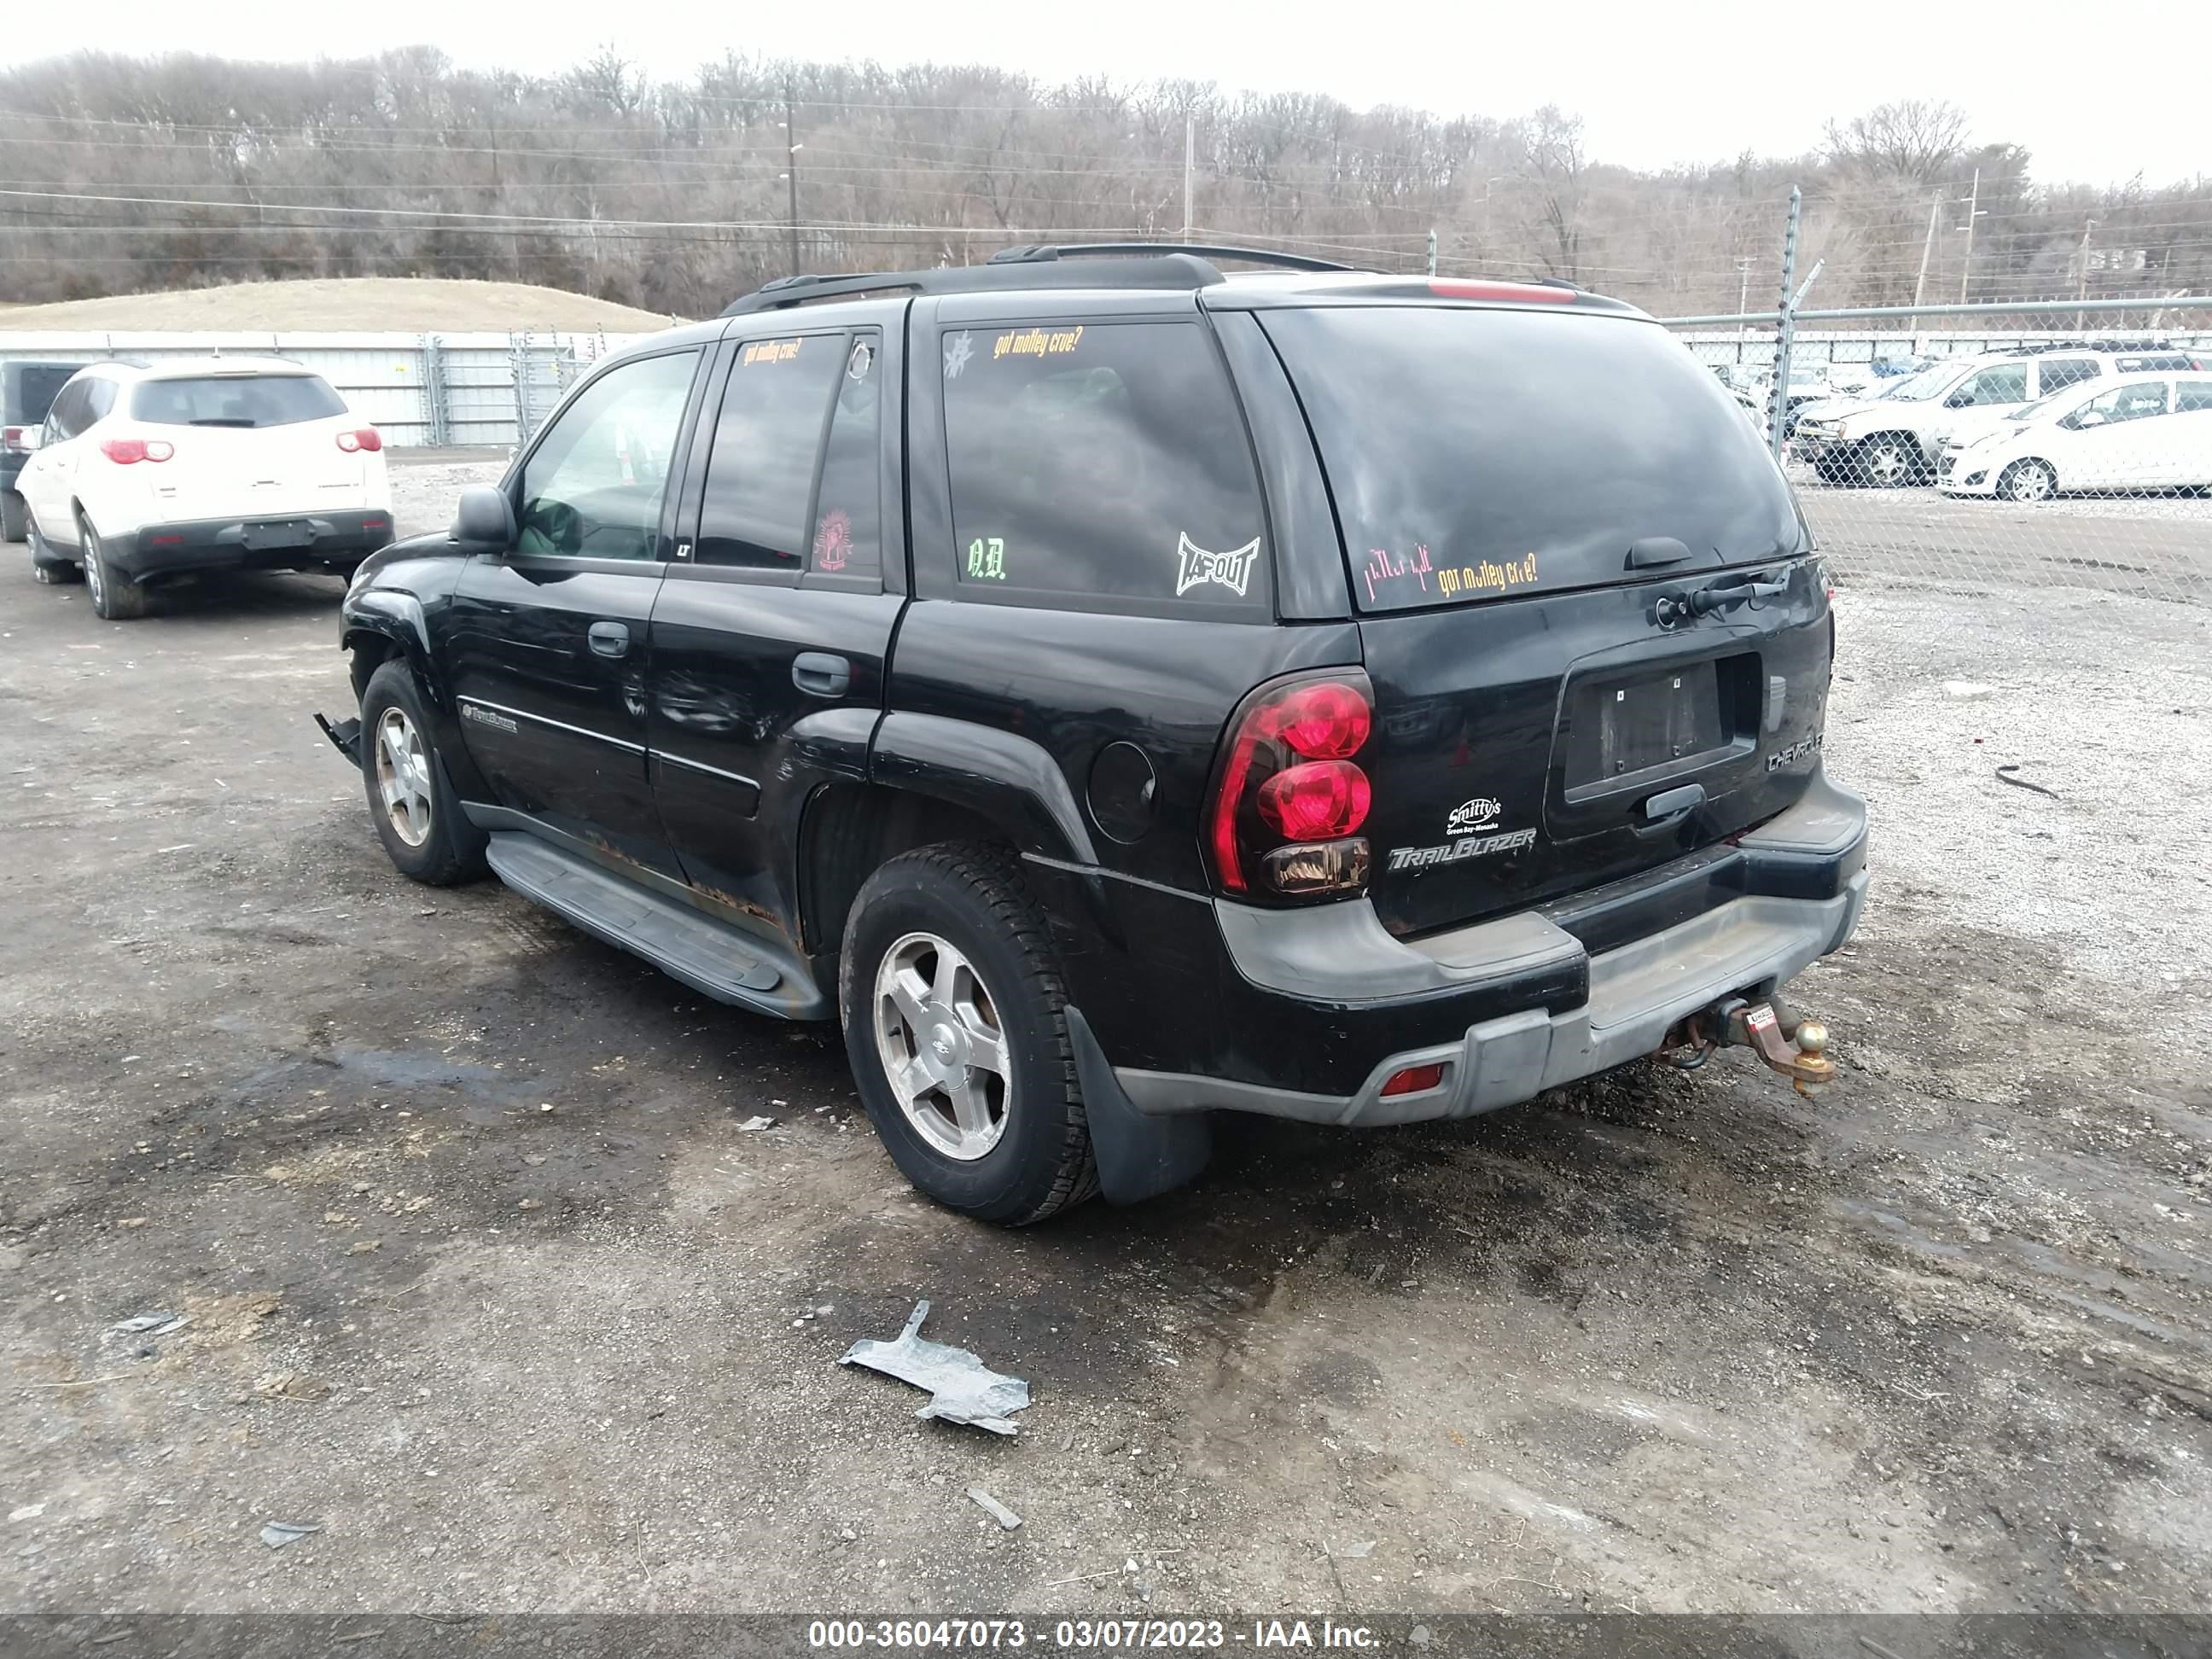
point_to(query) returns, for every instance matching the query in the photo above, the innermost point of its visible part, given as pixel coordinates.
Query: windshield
(1926, 384)
(1474, 454)
(242, 401)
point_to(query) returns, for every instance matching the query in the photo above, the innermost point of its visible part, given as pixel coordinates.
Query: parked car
(1897, 438)
(973, 655)
(27, 389)
(2052, 375)
(143, 474)
(2136, 431)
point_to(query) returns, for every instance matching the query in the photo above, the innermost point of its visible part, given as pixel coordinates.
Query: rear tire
(2028, 482)
(115, 597)
(412, 801)
(15, 516)
(956, 1026)
(47, 565)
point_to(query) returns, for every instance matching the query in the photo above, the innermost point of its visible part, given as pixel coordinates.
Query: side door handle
(609, 639)
(819, 674)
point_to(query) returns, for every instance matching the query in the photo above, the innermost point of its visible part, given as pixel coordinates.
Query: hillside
(411, 304)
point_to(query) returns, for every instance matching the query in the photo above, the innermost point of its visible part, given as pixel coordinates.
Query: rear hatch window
(1475, 455)
(236, 400)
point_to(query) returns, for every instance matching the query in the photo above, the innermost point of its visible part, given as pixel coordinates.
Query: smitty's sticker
(1471, 816)
(1196, 568)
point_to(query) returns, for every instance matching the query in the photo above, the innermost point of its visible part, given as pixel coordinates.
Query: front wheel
(417, 815)
(1885, 463)
(957, 1030)
(115, 597)
(2027, 481)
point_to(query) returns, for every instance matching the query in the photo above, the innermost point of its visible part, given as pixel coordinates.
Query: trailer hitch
(1798, 1049)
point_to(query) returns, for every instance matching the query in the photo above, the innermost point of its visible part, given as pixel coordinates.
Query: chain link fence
(2056, 440)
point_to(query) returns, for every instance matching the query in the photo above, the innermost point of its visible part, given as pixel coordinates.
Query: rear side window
(1102, 460)
(238, 400)
(2057, 375)
(849, 508)
(1476, 453)
(2193, 396)
(768, 436)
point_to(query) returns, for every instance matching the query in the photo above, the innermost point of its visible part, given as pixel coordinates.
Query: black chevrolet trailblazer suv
(1121, 692)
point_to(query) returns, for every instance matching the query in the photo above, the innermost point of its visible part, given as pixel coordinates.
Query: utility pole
(1432, 250)
(1973, 212)
(792, 147)
(1919, 287)
(2081, 287)
(1189, 161)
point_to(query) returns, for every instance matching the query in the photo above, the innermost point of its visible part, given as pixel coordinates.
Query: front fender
(396, 620)
(1000, 776)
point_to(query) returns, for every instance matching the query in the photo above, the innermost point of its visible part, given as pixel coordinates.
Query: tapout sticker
(1196, 568)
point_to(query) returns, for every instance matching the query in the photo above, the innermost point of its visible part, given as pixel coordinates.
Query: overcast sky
(2073, 81)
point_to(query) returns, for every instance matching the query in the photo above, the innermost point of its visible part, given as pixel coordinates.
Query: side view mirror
(485, 520)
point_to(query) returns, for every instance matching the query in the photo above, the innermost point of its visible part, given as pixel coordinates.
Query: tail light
(360, 438)
(11, 437)
(126, 452)
(1290, 796)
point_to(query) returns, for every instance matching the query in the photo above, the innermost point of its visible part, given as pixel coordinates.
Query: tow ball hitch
(1798, 1049)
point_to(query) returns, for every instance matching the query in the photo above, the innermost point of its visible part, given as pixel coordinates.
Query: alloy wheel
(402, 776)
(941, 1048)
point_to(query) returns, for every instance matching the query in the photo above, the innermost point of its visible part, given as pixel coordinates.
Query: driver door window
(593, 489)
(1992, 386)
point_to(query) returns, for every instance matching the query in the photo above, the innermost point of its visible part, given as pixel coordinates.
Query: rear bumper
(1307, 1013)
(272, 543)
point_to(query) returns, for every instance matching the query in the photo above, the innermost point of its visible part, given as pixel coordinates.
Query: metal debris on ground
(1359, 1552)
(753, 1124)
(963, 1390)
(152, 1324)
(2005, 775)
(277, 1533)
(992, 1507)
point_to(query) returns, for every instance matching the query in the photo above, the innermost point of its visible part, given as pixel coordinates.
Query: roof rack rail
(1035, 252)
(1170, 268)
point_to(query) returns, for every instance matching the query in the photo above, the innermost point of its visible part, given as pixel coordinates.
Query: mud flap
(1139, 1156)
(345, 736)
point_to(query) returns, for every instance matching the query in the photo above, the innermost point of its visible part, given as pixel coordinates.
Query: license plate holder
(275, 538)
(1625, 730)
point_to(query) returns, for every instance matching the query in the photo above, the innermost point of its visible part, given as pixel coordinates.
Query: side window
(1993, 385)
(768, 436)
(2122, 403)
(62, 418)
(1105, 460)
(593, 490)
(2192, 397)
(2057, 375)
(849, 511)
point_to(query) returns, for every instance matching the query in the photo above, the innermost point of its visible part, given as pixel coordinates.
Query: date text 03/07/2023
(1085, 1635)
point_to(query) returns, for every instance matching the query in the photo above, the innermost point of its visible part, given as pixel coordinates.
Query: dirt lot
(485, 1275)
(403, 303)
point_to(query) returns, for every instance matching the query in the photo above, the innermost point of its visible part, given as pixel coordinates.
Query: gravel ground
(486, 1274)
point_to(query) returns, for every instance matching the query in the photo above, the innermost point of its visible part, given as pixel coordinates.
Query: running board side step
(708, 955)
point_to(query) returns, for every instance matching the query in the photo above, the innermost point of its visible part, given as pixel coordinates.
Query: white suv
(1898, 438)
(145, 473)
